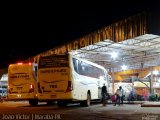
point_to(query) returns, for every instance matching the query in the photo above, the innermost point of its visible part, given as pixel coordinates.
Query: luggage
(113, 98)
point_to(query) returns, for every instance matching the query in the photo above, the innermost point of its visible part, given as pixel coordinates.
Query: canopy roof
(137, 53)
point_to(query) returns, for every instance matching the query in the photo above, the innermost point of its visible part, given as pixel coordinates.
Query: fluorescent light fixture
(114, 55)
(124, 67)
(155, 72)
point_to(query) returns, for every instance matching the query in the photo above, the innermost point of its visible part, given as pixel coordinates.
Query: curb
(149, 105)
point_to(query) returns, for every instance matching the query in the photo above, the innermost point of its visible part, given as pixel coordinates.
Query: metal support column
(113, 91)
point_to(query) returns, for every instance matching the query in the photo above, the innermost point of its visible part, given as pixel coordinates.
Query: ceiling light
(114, 55)
(155, 72)
(124, 67)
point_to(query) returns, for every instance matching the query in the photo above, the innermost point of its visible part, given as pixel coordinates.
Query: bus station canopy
(136, 53)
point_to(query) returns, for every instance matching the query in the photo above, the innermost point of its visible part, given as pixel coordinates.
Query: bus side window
(80, 70)
(75, 64)
(35, 70)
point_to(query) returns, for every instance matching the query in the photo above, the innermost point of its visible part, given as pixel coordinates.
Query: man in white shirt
(119, 96)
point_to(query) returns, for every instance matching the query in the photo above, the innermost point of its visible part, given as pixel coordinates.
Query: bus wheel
(87, 102)
(33, 102)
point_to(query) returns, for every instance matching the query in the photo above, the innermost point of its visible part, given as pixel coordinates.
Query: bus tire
(33, 102)
(87, 102)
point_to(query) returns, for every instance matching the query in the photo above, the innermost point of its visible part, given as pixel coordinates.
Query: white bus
(66, 78)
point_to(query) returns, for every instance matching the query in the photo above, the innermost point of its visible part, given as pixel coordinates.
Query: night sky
(27, 30)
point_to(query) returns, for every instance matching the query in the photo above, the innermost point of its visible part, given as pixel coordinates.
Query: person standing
(104, 94)
(119, 96)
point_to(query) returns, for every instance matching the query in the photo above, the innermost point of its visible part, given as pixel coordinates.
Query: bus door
(102, 80)
(99, 90)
